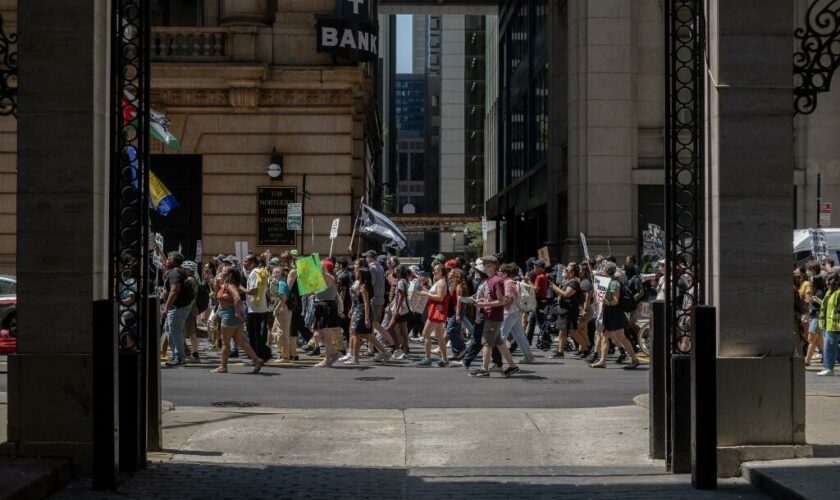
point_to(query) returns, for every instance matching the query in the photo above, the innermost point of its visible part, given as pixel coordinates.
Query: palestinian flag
(159, 126)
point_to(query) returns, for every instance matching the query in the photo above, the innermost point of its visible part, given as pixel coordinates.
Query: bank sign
(349, 32)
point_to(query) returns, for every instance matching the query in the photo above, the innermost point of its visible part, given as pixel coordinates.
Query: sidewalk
(810, 478)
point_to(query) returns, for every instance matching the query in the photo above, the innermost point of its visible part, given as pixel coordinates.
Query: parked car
(8, 304)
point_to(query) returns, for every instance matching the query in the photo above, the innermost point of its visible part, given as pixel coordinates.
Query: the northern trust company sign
(349, 33)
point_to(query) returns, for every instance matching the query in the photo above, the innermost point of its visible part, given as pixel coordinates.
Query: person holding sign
(614, 321)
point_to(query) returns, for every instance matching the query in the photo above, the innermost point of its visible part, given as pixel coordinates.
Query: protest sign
(310, 277)
(542, 253)
(334, 229)
(585, 247)
(294, 216)
(819, 247)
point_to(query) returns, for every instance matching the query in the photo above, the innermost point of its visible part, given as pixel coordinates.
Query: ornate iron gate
(129, 161)
(8, 72)
(817, 56)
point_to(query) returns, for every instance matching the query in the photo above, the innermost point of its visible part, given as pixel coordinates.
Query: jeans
(513, 326)
(175, 320)
(474, 347)
(831, 344)
(535, 319)
(453, 330)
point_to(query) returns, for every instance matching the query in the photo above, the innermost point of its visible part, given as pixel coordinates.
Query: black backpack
(188, 290)
(202, 298)
(626, 302)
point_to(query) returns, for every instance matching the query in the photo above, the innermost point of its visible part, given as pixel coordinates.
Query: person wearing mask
(494, 306)
(829, 323)
(614, 321)
(569, 307)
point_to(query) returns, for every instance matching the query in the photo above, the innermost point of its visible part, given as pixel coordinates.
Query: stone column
(760, 381)
(62, 221)
(602, 126)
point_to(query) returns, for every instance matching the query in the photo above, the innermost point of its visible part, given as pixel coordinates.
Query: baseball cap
(370, 253)
(327, 265)
(294, 252)
(439, 257)
(451, 264)
(190, 265)
(275, 261)
(539, 263)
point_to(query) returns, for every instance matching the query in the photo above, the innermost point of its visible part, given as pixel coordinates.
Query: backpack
(626, 302)
(526, 297)
(202, 298)
(188, 289)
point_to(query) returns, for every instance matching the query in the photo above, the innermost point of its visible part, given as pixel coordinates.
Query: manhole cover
(373, 379)
(557, 381)
(234, 404)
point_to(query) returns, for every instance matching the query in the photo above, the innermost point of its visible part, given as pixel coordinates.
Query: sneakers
(425, 362)
(351, 361)
(480, 373)
(456, 363)
(497, 369)
(558, 355)
(511, 370)
(633, 365)
(324, 364)
(401, 357)
(379, 357)
(442, 363)
(396, 353)
(346, 357)
(195, 356)
(175, 362)
(826, 373)
(621, 357)
(436, 351)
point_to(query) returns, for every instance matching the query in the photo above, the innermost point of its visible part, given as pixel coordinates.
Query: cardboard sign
(310, 277)
(542, 253)
(334, 229)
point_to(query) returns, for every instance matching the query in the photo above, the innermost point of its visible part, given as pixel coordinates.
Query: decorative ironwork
(685, 140)
(8, 72)
(129, 160)
(818, 54)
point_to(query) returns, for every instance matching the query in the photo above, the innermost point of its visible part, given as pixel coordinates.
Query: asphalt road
(548, 383)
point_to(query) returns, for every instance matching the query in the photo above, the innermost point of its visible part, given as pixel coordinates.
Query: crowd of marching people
(485, 315)
(817, 312)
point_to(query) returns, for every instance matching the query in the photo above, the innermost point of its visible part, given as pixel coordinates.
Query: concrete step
(796, 479)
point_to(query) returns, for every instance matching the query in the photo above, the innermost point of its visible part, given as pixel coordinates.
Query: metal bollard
(704, 400)
(657, 383)
(154, 433)
(680, 437)
(106, 422)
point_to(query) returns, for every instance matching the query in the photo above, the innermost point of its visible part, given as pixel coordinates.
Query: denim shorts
(814, 325)
(228, 316)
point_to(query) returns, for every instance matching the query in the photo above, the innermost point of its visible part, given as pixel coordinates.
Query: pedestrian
(456, 320)
(511, 324)
(540, 282)
(829, 323)
(812, 291)
(297, 326)
(344, 280)
(614, 320)
(282, 316)
(212, 321)
(326, 315)
(475, 345)
(494, 306)
(438, 306)
(401, 311)
(176, 308)
(190, 325)
(256, 300)
(232, 319)
(581, 333)
(378, 297)
(568, 306)
(361, 328)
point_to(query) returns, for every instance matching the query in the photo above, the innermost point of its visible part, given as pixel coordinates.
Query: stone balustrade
(182, 44)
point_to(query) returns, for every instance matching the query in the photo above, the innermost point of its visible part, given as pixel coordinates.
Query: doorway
(181, 228)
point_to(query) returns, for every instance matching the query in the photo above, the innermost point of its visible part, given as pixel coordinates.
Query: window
(540, 139)
(418, 167)
(7, 287)
(177, 12)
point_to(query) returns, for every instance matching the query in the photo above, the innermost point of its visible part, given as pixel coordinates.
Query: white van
(802, 244)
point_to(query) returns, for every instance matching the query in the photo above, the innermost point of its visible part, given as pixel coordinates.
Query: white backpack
(526, 297)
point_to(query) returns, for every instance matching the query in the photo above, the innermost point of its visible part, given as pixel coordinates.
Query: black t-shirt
(634, 284)
(571, 305)
(177, 276)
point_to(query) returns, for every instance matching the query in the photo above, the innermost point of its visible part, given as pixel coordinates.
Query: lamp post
(454, 237)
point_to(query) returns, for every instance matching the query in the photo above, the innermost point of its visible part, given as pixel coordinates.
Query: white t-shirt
(262, 307)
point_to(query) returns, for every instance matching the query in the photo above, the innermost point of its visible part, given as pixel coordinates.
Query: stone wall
(8, 165)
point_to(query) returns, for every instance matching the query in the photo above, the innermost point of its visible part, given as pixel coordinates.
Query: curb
(768, 485)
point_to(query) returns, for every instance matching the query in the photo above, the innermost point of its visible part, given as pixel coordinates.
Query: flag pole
(355, 225)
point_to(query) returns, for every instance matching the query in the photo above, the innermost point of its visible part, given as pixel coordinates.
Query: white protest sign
(485, 228)
(155, 255)
(294, 216)
(241, 250)
(819, 247)
(601, 285)
(585, 247)
(334, 229)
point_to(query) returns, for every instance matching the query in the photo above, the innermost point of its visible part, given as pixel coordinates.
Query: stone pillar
(760, 381)
(602, 126)
(62, 220)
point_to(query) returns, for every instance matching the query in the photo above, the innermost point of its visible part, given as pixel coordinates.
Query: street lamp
(454, 237)
(275, 167)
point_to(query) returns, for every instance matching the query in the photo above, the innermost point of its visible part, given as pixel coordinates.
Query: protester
(435, 324)
(232, 319)
(614, 321)
(829, 323)
(190, 324)
(177, 305)
(494, 306)
(326, 315)
(511, 323)
(569, 307)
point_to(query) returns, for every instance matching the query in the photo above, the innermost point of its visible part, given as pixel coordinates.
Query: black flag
(380, 227)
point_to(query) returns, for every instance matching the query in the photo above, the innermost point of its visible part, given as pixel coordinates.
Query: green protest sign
(310, 277)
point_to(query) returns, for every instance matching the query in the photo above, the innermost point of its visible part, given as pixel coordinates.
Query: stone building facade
(246, 82)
